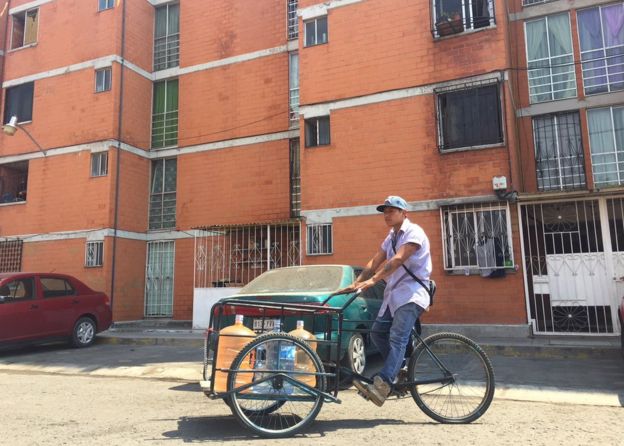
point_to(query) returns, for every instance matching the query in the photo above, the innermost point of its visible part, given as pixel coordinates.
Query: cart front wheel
(275, 385)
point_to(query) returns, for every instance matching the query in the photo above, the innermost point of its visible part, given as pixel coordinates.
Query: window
(319, 239)
(550, 59)
(55, 287)
(167, 37)
(165, 114)
(295, 178)
(606, 140)
(292, 20)
(469, 116)
(13, 182)
(19, 102)
(103, 79)
(456, 16)
(94, 254)
(559, 158)
(533, 2)
(25, 26)
(601, 34)
(162, 211)
(99, 164)
(316, 31)
(20, 289)
(105, 4)
(317, 131)
(477, 238)
(293, 80)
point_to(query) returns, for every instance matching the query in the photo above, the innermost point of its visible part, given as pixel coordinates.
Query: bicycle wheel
(467, 394)
(276, 407)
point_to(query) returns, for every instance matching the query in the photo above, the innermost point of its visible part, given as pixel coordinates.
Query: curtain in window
(604, 156)
(537, 56)
(590, 35)
(19, 102)
(563, 78)
(30, 35)
(165, 114)
(323, 124)
(174, 19)
(613, 19)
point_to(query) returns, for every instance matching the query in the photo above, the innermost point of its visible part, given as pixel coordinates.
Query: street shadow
(188, 387)
(227, 428)
(99, 355)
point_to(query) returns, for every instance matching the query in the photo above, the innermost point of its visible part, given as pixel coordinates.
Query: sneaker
(379, 391)
(361, 388)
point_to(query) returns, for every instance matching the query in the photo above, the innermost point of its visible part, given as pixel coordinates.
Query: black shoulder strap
(429, 291)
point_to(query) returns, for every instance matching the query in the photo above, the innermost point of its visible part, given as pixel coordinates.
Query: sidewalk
(165, 332)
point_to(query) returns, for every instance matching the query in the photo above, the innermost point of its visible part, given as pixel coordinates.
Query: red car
(44, 306)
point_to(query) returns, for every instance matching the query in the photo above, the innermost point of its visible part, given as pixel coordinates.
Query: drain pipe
(119, 151)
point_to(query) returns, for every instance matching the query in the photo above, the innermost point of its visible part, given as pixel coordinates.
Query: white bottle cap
(299, 325)
(239, 319)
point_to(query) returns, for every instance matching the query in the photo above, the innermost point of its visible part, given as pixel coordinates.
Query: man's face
(394, 216)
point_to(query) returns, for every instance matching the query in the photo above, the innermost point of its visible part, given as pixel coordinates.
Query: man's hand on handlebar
(356, 287)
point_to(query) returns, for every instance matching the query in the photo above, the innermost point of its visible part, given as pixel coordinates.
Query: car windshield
(296, 279)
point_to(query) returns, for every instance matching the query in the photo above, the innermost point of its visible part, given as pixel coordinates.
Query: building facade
(180, 148)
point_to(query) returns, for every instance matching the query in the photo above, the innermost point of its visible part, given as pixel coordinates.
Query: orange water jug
(303, 362)
(231, 340)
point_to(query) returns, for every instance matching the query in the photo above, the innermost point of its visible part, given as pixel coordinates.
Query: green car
(312, 284)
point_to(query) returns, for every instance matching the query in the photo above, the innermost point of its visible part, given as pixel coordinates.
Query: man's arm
(404, 252)
(369, 271)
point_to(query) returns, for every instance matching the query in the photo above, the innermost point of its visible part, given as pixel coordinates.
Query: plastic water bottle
(303, 362)
(231, 340)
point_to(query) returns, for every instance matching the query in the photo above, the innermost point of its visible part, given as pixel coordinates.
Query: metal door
(571, 266)
(159, 279)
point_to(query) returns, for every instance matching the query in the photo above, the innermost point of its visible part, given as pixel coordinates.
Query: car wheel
(356, 354)
(84, 332)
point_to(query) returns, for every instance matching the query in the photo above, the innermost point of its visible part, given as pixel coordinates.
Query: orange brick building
(180, 148)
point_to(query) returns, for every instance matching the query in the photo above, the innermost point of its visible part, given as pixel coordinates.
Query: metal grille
(551, 73)
(295, 178)
(569, 276)
(292, 20)
(94, 254)
(320, 239)
(235, 255)
(163, 197)
(165, 114)
(477, 238)
(159, 279)
(559, 158)
(10, 255)
(603, 55)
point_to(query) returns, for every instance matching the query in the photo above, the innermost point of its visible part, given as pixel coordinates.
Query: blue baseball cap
(393, 201)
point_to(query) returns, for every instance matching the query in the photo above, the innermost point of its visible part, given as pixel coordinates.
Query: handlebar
(356, 293)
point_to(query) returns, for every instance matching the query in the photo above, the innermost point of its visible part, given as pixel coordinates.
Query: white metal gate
(232, 256)
(159, 279)
(574, 264)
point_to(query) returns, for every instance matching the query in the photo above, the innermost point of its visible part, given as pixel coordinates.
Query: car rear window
(55, 287)
(296, 279)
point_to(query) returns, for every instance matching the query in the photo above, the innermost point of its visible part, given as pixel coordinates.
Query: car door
(20, 314)
(59, 304)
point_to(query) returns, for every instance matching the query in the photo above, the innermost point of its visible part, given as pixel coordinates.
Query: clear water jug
(303, 362)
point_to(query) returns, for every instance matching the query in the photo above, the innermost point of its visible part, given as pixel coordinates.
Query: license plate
(268, 325)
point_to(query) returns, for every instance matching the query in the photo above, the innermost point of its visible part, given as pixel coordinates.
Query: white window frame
(94, 254)
(616, 153)
(467, 22)
(316, 37)
(604, 54)
(293, 92)
(103, 79)
(99, 164)
(548, 65)
(448, 236)
(319, 239)
(25, 15)
(103, 5)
